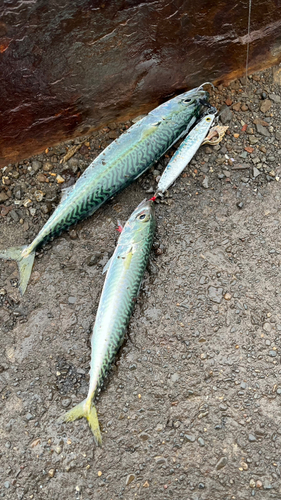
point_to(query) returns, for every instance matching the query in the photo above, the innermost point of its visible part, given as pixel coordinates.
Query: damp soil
(191, 409)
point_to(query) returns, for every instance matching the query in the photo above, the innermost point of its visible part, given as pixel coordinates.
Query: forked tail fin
(25, 263)
(87, 410)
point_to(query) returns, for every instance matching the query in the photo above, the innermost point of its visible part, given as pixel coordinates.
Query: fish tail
(25, 263)
(87, 410)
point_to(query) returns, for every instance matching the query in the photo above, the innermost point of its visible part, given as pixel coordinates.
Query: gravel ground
(192, 407)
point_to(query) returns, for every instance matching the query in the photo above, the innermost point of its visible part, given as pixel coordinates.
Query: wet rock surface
(192, 406)
(68, 67)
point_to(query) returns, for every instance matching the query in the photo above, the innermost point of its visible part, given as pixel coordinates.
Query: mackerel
(121, 286)
(184, 153)
(123, 161)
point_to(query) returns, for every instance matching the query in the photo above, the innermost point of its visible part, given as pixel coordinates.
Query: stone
(275, 98)
(252, 483)
(273, 354)
(256, 172)
(36, 165)
(48, 166)
(205, 182)
(14, 215)
(221, 463)
(66, 402)
(262, 130)
(93, 259)
(236, 106)
(215, 294)
(225, 114)
(41, 178)
(265, 105)
(252, 438)
(189, 438)
(201, 441)
(130, 478)
(3, 196)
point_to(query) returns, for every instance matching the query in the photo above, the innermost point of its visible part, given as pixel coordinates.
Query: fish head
(141, 222)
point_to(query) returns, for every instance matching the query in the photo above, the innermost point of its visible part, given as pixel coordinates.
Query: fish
(184, 153)
(123, 279)
(122, 162)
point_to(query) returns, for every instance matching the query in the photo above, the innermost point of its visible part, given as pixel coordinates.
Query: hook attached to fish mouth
(210, 109)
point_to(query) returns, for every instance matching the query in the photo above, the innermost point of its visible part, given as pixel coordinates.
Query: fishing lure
(123, 279)
(184, 153)
(123, 161)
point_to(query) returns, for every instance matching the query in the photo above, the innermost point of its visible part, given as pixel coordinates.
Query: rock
(252, 438)
(14, 215)
(130, 479)
(267, 485)
(73, 235)
(265, 106)
(275, 98)
(262, 130)
(259, 483)
(146, 484)
(93, 259)
(48, 166)
(267, 327)
(28, 416)
(225, 114)
(253, 139)
(59, 179)
(273, 354)
(221, 463)
(227, 296)
(160, 460)
(51, 472)
(215, 294)
(189, 438)
(175, 377)
(66, 402)
(72, 300)
(244, 107)
(7, 485)
(256, 172)
(144, 436)
(201, 441)
(205, 182)
(236, 106)
(36, 165)
(3, 196)
(252, 483)
(41, 178)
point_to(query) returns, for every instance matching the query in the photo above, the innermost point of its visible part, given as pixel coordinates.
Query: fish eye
(142, 216)
(186, 100)
(208, 119)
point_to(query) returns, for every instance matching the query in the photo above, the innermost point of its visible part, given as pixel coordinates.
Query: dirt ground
(192, 407)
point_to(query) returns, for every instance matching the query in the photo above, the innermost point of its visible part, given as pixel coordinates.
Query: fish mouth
(149, 204)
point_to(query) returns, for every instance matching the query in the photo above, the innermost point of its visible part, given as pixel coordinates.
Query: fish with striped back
(123, 161)
(185, 153)
(124, 275)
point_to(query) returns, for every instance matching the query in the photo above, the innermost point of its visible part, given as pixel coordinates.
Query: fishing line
(248, 42)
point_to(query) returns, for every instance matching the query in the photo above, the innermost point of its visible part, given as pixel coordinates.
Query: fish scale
(116, 304)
